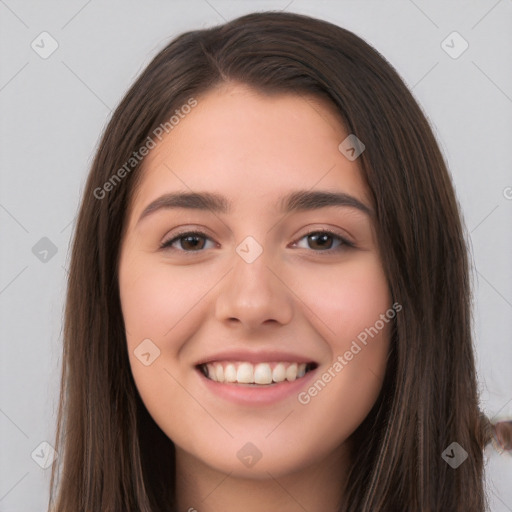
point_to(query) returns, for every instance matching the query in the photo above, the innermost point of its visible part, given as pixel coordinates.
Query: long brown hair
(113, 456)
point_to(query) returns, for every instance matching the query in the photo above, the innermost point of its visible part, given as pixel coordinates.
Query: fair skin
(307, 298)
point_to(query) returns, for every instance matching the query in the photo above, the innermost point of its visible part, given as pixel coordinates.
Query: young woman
(269, 304)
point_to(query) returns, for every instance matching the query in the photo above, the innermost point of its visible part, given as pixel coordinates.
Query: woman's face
(262, 294)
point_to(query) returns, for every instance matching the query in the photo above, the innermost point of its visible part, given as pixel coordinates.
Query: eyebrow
(300, 200)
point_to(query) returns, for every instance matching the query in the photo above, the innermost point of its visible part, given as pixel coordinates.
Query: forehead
(251, 147)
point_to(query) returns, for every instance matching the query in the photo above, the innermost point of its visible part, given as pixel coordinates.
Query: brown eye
(325, 241)
(192, 241)
(320, 241)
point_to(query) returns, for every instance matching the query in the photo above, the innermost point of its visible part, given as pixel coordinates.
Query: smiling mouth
(260, 374)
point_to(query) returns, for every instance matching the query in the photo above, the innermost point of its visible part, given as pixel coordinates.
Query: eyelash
(345, 244)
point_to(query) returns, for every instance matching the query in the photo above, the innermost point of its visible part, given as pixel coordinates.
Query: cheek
(346, 299)
(158, 305)
(154, 297)
(354, 306)
(166, 306)
(145, 300)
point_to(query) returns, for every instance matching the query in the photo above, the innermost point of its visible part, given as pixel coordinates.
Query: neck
(317, 487)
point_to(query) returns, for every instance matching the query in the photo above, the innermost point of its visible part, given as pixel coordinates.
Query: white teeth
(279, 373)
(211, 372)
(261, 373)
(291, 372)
(230, 373)
(245, 373)
(219, 372)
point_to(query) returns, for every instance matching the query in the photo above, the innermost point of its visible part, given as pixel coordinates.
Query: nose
(255, 293)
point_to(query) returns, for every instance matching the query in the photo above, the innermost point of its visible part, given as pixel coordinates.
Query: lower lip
(244, 394)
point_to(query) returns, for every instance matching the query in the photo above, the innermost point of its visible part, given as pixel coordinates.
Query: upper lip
(260, 356)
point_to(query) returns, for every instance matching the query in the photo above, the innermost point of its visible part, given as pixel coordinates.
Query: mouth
(264, 374)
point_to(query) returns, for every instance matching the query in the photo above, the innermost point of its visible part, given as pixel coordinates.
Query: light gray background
(53, 111)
